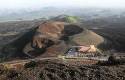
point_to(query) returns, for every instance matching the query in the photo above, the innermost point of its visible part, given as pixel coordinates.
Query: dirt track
(28, 60)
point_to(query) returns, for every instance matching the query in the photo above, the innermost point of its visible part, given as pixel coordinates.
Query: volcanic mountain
(88, 37)
(52, 38)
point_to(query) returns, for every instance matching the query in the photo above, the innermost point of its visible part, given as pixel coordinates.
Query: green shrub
(30, 64)
(12, 73)
(71, 19)
(112, 60)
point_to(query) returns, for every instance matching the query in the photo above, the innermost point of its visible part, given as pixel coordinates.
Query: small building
(83, 51)
(72, 52)
(88, 49)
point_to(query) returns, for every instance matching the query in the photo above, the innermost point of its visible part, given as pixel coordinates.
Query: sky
(34, 4)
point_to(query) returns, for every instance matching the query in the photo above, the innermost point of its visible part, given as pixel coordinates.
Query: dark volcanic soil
(56, 70)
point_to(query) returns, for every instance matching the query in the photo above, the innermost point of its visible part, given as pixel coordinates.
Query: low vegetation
(30, 64)
(66, 18)
(56, 70)
(71, 19)
(112, 61)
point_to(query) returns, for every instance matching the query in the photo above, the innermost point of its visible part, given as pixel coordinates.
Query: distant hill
(49, 12)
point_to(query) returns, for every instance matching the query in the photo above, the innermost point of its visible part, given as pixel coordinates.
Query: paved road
(90, 58)
(36, 59)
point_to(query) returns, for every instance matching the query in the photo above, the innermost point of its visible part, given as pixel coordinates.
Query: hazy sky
(18, 4)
